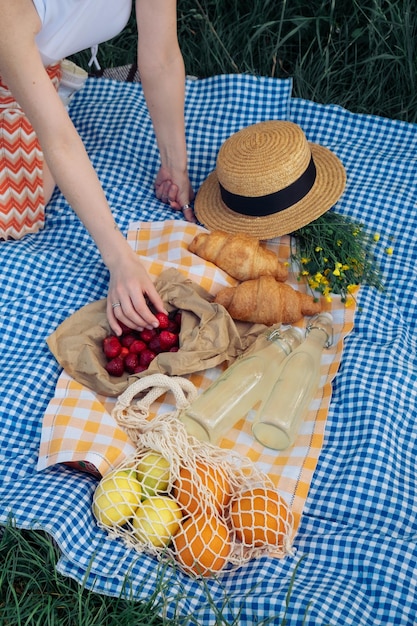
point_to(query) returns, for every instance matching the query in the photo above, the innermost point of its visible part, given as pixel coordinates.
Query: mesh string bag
(205, 508)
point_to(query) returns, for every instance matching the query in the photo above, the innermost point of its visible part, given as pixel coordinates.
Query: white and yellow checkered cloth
(78, 425)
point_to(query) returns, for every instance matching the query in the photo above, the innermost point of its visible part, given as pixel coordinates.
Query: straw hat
(269, 181)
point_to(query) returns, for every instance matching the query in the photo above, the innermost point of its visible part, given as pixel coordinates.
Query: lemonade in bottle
(240, 387)
(278, 419)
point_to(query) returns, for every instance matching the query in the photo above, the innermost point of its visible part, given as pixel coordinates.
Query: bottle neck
(318, 337)
(321, 326)
(287, 340)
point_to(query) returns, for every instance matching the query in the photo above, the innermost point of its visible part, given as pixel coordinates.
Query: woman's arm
(22, 69)
(162, 73)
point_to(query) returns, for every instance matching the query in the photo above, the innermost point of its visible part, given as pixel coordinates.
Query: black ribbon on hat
(260, 206)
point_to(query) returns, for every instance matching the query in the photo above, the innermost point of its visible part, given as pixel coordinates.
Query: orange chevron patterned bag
(22, 205)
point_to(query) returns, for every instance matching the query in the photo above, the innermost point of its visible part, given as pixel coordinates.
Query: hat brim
(330, 182)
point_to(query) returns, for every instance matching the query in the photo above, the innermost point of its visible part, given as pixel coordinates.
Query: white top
(69, 26)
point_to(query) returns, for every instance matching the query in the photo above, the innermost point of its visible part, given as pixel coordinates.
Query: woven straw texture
(263, 159)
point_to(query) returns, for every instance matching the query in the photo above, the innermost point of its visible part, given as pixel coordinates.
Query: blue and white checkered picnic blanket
(359, 526)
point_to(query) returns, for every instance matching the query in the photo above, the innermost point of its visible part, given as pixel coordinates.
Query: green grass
(361, 54)
(33, 593)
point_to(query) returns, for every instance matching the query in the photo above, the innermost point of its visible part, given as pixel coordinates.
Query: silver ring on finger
(115, 304)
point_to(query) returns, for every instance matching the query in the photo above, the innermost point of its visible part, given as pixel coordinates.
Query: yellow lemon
(156, 520)
(154, 472)
(117, 497)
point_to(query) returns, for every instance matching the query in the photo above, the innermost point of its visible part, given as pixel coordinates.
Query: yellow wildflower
(337, 267)
(389, 250)
(338, 262)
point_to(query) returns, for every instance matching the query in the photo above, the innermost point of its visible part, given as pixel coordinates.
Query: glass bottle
(278, 419)
(240, 387)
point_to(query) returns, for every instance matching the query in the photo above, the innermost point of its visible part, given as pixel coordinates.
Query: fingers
(124, 315)
(188, 213)
(166, 191)
(132, 313)
(169, 195)
(178, 197)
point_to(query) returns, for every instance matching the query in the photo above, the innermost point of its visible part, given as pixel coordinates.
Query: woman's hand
(130, 291)
(175, 189)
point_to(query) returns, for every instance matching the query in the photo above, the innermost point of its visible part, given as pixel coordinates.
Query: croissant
(266, 301)
(240, 255)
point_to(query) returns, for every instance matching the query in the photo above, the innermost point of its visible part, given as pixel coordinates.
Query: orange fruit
(203, 545)
(190, 493)
(258, 517)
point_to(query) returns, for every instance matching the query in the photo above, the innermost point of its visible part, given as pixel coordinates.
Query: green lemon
(153, 472)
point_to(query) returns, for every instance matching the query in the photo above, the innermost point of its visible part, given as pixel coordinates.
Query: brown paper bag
(208, 337)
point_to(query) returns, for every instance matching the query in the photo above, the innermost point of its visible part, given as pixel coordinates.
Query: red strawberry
(147, 333)
(125, 329)
(168, 340)
(146, 356)
(174, 349)
(137, 346)
(124, 352)
(115, 367)
(173, 327)
(140, 368)
(162, 319)
(127, 340)
(131, 362)
(177, 318)
(155, 344)
(111, 346)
